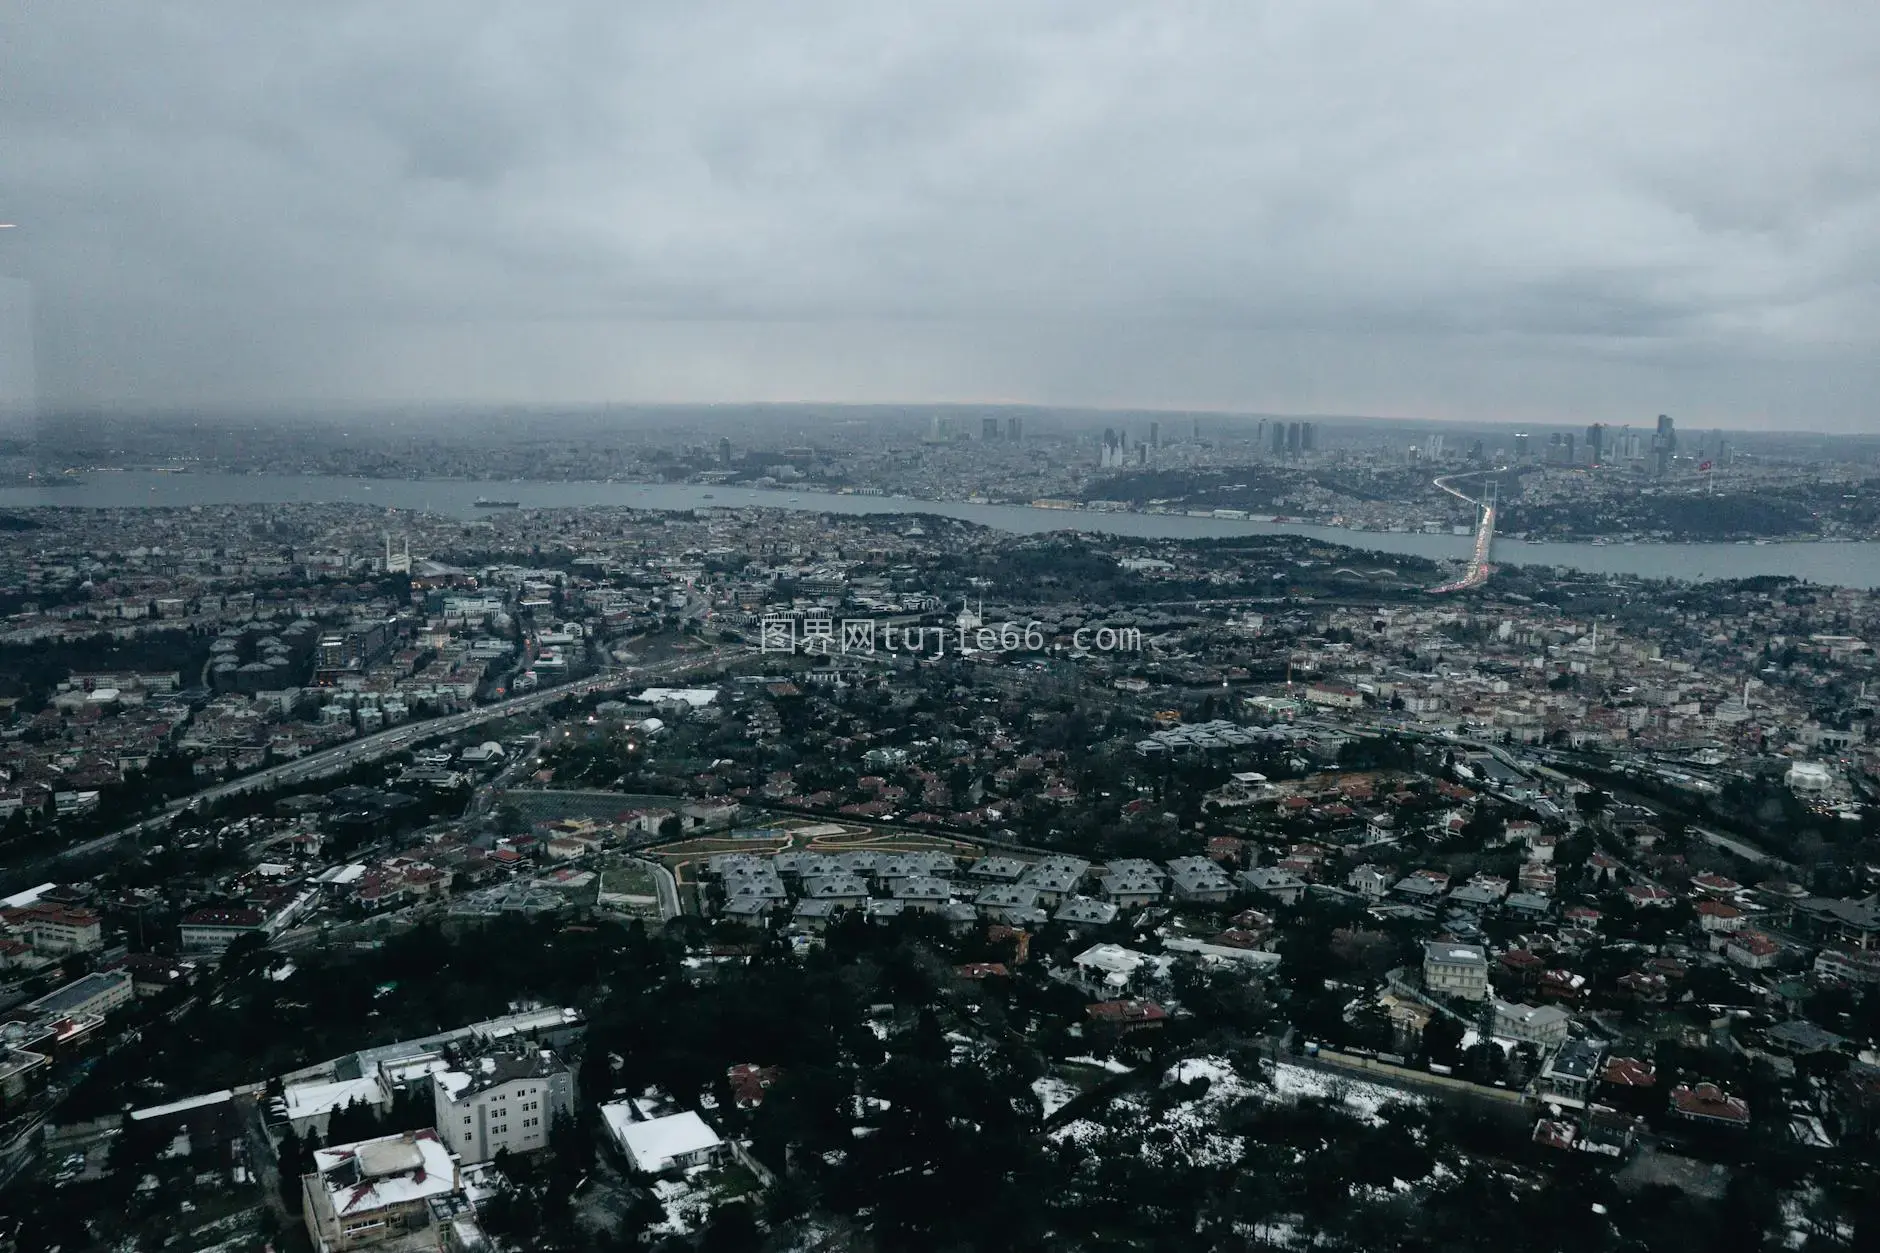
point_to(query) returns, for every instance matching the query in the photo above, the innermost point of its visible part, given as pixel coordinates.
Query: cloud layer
(1450, 210)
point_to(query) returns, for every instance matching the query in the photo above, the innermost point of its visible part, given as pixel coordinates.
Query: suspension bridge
(1478, 568)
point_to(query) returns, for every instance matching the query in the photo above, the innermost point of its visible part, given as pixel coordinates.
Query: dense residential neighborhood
(581, 877)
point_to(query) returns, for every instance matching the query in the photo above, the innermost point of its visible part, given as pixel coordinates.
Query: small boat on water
(484, 502)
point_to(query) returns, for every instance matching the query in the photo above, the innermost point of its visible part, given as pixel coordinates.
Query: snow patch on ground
(1110, 1064)
(1079, 1131)
(1190, 1131)
(1053, 1094)
(1360, 1097)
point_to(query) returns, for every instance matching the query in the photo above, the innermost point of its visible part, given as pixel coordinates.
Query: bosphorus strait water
(1855, 564)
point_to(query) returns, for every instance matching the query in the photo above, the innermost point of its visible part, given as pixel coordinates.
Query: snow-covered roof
(178, 1107)
(696, 697)
(653, 1143)
(310, 1100)
(1110, 958)
(391, 1170)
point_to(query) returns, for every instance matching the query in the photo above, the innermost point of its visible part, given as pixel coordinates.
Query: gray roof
(1450, 953)
(921, 888)
(1081, 909)
(1007, 896)
(1802, 1036)
(1271, 879)
(746, 907)
(1131, 884)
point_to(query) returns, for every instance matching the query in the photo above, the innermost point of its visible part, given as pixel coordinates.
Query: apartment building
(1459, 970)
(500, 1099)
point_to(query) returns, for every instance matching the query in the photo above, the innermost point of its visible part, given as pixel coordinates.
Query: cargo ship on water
(484, 502)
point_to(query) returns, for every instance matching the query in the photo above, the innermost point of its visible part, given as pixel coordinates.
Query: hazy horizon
(1423, 213)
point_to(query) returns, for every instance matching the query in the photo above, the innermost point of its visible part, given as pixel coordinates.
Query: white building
(375, 1191)
(503, 1100)
(1451, 969)
(1809, 776)
(656, 1145)
(310, 1106)
(1535, 1024)
(1109, 969)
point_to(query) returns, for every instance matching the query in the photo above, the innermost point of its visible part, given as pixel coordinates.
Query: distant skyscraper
(988, 429)
(724, 451)
(1595, 444)
(1308, 437)
(1155, 435)
(1112, 456)
(1521, 453)
(1279, 439)
(1433, 447)
(1292, 438)
(1664, 444)
(1195, 431)
(1015, 428)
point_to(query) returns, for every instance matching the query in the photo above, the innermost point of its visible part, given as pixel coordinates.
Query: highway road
(1479, 569)
(367, 748)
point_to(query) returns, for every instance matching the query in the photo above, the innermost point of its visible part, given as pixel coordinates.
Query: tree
(1442, 1040)
(1591, 803)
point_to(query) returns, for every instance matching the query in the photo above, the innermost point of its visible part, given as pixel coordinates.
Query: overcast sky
(1522, 210)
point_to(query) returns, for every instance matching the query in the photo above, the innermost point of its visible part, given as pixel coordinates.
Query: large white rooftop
(391, 1170)
(654, 1142)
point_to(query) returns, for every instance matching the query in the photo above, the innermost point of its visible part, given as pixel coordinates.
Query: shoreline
(1067, 506)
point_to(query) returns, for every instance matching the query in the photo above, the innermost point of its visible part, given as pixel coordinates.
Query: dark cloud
(1457, 210)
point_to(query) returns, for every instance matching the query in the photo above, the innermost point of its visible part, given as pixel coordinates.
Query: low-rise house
(375, 1191)
(1085, 912)
(658, 1146)
(1128, 1014)
(1109, 970)
(1423, 886)
(922, 893)
(1052, 883)
(1130, 888)
(1282, 885)
(996, 870)
(841, 889)
(1752, 950)
(749, 1083)
(1571, 1073)
(816, 915)
(1709, 1105)
(1015, 905)
(1371, 881)
(1545, 1025)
